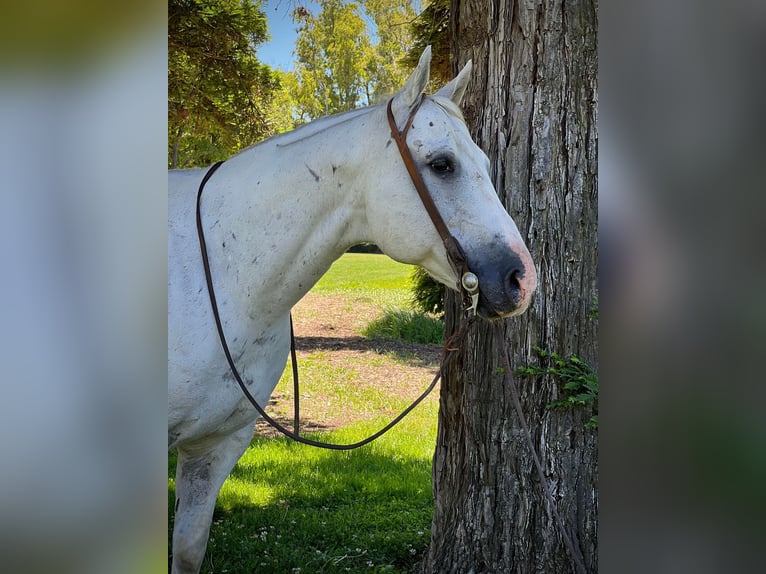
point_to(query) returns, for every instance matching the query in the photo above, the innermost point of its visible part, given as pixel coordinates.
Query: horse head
(456, 174)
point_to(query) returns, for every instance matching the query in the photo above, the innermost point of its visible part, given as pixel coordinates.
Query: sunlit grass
(368, 274)
(288, 506)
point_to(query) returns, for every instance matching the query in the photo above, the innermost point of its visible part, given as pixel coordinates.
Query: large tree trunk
(531, 107)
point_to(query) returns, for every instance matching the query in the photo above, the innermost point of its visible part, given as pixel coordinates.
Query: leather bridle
(468, 283)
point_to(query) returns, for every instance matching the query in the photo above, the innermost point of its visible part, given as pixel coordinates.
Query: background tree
(349, 54)
(431, 28)
(332, 50)
(387, 68)
(281, 113)
(531, 106)
(218, 92)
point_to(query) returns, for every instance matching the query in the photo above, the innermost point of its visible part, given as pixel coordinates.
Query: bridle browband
(468, 284)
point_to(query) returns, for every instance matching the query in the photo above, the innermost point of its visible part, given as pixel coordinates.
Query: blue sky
(278, 52)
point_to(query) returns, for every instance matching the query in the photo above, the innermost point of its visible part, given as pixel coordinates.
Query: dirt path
(328, 333)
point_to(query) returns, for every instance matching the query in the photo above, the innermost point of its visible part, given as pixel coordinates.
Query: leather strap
(569, 536)
(296, 383)
(455, 253)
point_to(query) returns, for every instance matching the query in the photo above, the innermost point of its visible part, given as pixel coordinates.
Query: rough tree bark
(531, 107)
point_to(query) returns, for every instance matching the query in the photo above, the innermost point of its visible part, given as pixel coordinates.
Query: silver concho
(470, 282)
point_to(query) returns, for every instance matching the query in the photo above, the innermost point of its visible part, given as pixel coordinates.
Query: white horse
(275, 217)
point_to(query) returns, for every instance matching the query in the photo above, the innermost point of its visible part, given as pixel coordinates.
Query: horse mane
(449, 106)
(320, 125)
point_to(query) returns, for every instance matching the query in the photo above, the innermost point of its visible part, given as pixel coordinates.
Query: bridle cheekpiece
(468, 282)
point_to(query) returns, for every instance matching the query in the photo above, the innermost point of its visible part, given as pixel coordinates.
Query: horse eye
(442, 165)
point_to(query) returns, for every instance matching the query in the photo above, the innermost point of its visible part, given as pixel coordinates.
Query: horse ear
(414, 86)
(455, 90)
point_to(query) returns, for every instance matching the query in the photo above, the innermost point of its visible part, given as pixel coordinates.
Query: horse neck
(292, 210)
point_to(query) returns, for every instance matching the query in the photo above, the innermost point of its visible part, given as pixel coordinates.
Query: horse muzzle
(507, 281)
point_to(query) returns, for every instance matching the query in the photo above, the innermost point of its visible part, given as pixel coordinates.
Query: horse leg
(200, 473)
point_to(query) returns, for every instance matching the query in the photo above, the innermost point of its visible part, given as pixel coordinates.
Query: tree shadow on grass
(265, 430)
(411, 354)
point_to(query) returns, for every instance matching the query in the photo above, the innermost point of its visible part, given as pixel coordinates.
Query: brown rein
(468, 285)
(449, 347)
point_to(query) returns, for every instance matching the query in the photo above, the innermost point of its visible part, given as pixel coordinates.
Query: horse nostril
(513, 285)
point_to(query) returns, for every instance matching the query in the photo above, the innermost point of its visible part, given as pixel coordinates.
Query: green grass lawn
(366, 272)
(291, 508)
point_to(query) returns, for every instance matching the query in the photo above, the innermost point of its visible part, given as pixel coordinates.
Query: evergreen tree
(219, 94)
